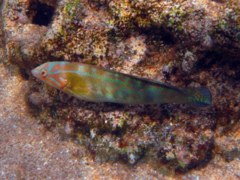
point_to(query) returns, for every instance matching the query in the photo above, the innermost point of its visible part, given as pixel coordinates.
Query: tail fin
(200, 97)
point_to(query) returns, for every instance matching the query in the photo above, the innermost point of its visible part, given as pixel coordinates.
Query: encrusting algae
(183, 43)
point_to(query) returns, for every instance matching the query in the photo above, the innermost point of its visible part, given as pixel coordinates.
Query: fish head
(51, 74)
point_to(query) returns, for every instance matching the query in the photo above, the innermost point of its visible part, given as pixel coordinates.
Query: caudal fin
(199, 96)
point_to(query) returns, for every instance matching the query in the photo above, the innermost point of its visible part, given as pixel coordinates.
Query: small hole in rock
(40, 13)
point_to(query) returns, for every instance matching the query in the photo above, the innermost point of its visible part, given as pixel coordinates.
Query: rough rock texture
(181, 42)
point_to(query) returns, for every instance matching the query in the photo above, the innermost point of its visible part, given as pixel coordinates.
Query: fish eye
(44, 73)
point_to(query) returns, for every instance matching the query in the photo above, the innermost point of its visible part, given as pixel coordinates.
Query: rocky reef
(181, 42)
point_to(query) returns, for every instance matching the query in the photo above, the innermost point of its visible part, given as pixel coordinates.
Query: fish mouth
(34, 72)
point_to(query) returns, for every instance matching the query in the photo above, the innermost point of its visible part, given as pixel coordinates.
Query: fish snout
(35, 72)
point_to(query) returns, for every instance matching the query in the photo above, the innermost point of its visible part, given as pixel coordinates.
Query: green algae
(71, 8)
(175, 18)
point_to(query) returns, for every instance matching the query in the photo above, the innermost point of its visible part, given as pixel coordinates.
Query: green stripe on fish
(100, 85)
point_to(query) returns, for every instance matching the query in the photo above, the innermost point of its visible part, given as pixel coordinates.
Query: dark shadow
(40, 13)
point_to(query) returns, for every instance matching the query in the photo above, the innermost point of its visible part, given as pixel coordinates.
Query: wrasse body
(90, 83)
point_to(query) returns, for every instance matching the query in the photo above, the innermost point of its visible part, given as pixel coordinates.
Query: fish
(91, 83)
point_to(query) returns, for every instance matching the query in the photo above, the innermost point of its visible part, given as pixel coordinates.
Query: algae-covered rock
(184, 43)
